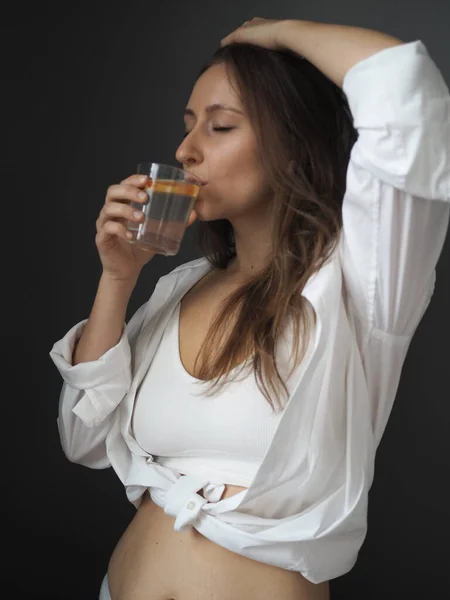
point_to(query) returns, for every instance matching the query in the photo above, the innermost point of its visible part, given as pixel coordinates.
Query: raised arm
(397, 202)
(333, 49)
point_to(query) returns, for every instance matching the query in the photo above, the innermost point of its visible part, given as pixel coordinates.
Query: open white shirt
(306, 509)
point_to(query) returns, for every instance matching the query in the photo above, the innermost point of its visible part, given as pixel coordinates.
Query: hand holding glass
(171, 196)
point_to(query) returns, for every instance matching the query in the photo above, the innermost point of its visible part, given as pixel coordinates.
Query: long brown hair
(304, 130)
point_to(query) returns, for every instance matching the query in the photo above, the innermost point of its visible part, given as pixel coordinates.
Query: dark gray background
(94, 90)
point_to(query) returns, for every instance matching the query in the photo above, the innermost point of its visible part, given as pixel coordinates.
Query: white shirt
(306, 509)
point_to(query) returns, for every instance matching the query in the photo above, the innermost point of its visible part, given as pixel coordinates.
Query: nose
(188, 152)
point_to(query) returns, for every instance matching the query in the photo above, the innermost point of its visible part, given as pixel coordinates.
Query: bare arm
(104, 327)
(333, 49)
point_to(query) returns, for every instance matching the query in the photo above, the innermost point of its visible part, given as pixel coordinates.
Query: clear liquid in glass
(166, 214)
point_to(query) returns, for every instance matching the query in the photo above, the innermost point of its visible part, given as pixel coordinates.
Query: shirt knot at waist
(178, 494)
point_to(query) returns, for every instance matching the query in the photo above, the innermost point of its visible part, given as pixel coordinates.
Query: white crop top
(222, 438)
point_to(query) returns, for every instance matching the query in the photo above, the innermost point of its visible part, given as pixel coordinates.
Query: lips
(202, 183)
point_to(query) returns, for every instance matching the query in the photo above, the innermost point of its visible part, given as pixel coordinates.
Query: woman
(258, 489)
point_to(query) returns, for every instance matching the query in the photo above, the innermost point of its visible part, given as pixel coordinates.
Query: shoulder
(192, 268)
(192, 264)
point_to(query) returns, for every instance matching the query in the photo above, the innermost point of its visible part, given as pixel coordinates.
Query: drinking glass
(171, 196)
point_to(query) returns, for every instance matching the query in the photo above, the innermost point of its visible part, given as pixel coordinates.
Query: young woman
(323, 214)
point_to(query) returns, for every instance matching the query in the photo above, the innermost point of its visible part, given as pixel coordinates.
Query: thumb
(192, 218)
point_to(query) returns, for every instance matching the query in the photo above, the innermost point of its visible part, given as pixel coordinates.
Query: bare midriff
(152, 561)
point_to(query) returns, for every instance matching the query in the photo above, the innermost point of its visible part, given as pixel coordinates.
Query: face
(220, 148)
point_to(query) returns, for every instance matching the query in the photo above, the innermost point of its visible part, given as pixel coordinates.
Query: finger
(111, 229)
(123, 192)
(137, 180)
(192, 218)
(234, 35)
(119, 212)
(229, 39)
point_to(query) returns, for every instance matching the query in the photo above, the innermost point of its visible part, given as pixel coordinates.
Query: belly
(154, 562)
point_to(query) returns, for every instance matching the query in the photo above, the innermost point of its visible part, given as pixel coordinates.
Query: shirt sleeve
(92, 391)
(397, 203)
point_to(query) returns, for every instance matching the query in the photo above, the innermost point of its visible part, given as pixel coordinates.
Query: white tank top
(222, 438)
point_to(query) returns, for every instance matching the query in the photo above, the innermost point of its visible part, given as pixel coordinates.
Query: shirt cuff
(90, 374)
(95, 406)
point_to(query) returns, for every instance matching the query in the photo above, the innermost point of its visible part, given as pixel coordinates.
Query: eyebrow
(213, 108)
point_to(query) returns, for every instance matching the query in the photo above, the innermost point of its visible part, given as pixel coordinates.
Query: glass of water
(171, 196)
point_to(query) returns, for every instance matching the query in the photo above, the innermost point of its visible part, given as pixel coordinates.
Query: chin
(210, 209)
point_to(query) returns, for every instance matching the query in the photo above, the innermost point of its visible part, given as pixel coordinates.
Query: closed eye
(222, 129)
